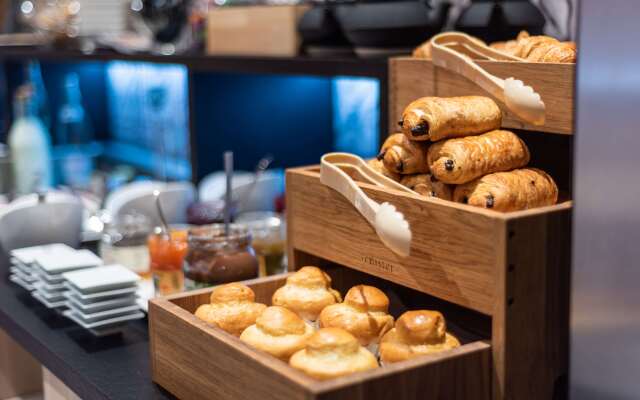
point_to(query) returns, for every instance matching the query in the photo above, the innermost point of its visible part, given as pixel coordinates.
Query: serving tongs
(390, 225)
(522, 100)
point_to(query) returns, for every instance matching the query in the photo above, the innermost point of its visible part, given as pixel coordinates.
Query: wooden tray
(194, 360)
(512, 267)
(411, 78)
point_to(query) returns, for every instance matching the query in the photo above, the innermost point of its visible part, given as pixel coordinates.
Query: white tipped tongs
(390, 225)
(522, 100)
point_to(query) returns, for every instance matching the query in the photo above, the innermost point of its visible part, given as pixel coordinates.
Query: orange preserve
(166, 253)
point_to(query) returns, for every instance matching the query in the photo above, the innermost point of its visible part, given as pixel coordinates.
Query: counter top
(116, 367)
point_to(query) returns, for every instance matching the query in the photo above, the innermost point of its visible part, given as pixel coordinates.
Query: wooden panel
(531, 321)
(453, 254)
(411, 78)
(196, 361)
(20, 373)
(254, 30)
(54, 388)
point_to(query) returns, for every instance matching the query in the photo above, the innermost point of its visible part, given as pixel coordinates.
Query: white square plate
(49, 288)
(27, 255)
(53, 297)
(100, 279)
(102, 315)
(64, 262)
(51, 279)
(88, 308)
(25, 277)
(100, 296)
(25, 285)
(49, 304)
(73, 315)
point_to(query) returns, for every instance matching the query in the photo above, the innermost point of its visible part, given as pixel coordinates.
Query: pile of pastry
(453, 149)
(310, 327)
(538, 48)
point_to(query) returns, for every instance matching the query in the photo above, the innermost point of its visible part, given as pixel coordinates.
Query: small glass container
(268, 230)
(214, 258)
(125, 242)
(167, 253)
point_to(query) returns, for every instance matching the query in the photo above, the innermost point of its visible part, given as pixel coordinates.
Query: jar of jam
(214, 258)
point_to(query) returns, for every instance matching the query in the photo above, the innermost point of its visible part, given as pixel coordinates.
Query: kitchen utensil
(228, 170)
(390, 225)
(522, 100)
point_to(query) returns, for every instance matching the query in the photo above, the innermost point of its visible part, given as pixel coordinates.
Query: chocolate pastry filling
(490, 201)
(421, 129)
(465, 200)
(401, 122)
(400, 166)
(448, 165)
(380, 156)
(433, 194)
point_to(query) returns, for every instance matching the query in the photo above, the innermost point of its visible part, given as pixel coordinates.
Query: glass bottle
(74, 135)
(124, 242)
(30, 145)
(40, 97)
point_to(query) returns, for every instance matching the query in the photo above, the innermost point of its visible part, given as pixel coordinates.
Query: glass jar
(214, 258)
(166, 253)
(124, 242)
(268, 230)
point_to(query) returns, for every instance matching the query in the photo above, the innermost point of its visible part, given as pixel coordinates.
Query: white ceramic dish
(25, 277)
(51, 279)
(27, 255)
(103, 315)
(25, 285)
(54, 296)
(73, 315)
(100, 296)
(66, 262)
(101, 279)
(88, 308)
(48, 287)
(49, 304)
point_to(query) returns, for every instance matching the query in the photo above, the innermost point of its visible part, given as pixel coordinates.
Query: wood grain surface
(410, 79)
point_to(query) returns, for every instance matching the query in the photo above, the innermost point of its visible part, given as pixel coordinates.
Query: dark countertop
(115, 367)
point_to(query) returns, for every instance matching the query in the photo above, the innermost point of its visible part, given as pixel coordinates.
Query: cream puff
(306, 293)
(232, 309)
(279, 332)
(416, 333)
(364, 313)
(332, 352)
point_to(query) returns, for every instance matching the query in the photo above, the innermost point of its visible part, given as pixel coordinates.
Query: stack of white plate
(102, 299)
(49, 286)
(22, 268)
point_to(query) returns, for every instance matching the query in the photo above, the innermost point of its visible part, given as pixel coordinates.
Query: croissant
(519, 189)
(427, 185)
(436, 118)
(404, 156)
(563, 52)
(538, 48)
(378, 166)
(461, 160)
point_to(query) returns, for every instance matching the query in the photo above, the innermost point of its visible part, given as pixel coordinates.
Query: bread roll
(427, 185)
(437, 118)
(232, 308)
(279, 332)
(403, 156)
(378, 166)
(416, 333)
(519, 189)
(364, 314)
(460, 160)
(306, 293)
(526, 46)
(538, 49)
(332, 352)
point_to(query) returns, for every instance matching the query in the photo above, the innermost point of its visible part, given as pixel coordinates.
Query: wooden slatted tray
(511, 267)
(411, 78)
(194, 360)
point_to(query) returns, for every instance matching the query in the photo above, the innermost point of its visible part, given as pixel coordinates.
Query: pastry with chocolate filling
(279, 332)
(403, 156)
(416, 333)
(232, 309)
(364, 313)
(378, 166)
(519, 189)
(332, 352)
(460, 160)
(437, 118)
(306, 293)
(538, 49)
(427, 185)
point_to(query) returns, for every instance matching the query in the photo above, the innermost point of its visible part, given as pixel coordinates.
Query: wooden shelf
(298, 65)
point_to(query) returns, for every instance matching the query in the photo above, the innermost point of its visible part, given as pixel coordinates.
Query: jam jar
(214, 258)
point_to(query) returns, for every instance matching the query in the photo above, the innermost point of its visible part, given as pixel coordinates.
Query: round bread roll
(416, 333)
(306, 293)
(279, 332)
(232, 309)
(364, 314)
(332, 352)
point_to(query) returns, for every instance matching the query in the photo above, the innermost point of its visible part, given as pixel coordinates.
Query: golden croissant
(404, 156)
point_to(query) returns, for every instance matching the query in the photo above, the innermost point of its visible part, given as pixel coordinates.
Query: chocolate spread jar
(214, 258)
